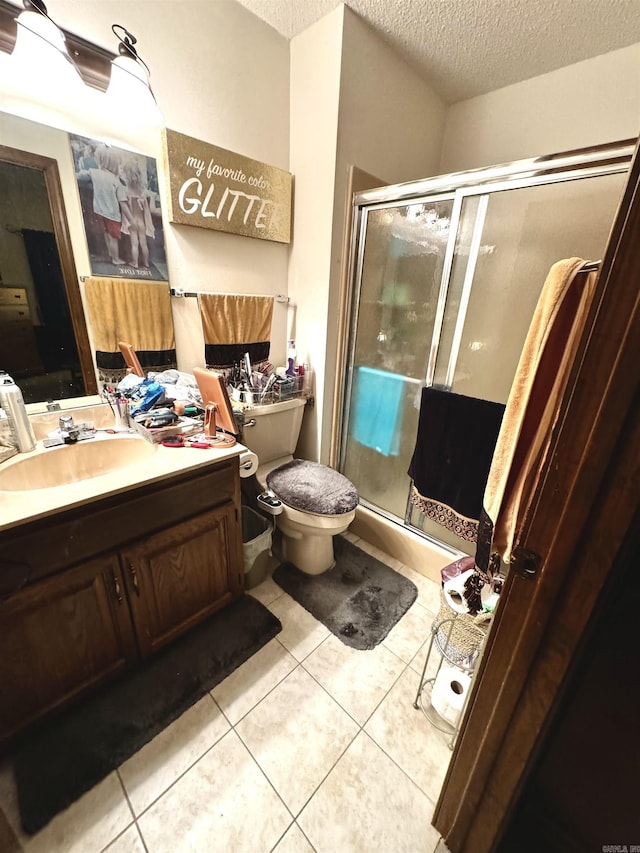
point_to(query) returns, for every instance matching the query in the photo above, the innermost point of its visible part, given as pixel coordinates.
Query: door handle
(116, 584)
(134, 579)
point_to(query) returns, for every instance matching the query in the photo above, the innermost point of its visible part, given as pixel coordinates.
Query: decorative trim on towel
(226, 355)
(112, 369)
(445, 516)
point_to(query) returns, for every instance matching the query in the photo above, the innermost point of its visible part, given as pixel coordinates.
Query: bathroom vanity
(92, 586)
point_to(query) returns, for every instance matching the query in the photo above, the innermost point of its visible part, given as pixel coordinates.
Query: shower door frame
(608, 159)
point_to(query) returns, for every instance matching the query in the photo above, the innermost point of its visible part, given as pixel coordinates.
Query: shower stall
(444, 278)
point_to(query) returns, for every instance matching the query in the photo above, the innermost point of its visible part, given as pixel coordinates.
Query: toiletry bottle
(291, 359)
(12, 402)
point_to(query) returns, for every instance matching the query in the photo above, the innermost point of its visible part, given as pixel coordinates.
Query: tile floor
(309, 746)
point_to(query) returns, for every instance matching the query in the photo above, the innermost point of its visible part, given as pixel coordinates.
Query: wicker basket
(459, 636)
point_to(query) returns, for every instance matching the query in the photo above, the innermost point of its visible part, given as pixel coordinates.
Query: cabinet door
(181, 575)
(60, 637)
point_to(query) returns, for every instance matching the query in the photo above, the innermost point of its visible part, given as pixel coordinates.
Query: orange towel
(533, 404)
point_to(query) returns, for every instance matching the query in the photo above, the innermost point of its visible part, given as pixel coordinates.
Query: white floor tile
(89, 824)
(128, 842)
(296, 734)
(223, 803)
(301, 632)
(294, 841)
(406, 735)
(251, 682)
(267, 591)
(357, 680)
(155, 767)
(428, 591)
(409, 634)
(368, 804)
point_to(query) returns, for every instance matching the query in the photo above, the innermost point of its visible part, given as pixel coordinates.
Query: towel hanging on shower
(234, 324)
(377, 402)
(139, 312)
(450, 463)
(532, 409)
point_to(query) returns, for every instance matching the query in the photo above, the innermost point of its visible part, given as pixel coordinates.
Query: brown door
(59, 637)
(181, 575)
(582, 508)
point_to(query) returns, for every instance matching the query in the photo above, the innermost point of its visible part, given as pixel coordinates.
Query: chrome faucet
(70, 432)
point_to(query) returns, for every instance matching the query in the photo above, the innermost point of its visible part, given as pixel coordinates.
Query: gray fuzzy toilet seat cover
(313, 487)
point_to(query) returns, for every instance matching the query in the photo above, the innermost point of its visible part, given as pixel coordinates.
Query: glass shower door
(398, 311)
(517, 234)
(444, 290)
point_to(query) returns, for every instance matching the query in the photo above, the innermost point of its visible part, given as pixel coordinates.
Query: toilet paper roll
(248, 463)
(450, 692)
(453, 591)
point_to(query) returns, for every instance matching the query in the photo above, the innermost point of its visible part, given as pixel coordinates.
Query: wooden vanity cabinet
(61, 637)
(179, 576)
(95, 605)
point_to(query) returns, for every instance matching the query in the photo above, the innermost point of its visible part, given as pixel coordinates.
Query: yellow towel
(231, 319)
(532, 408)
(232, 325)
(138, 312)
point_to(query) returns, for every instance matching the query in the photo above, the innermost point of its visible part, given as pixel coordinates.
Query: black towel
(454, 447)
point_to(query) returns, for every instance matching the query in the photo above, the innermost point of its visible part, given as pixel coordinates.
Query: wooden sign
(210, 187)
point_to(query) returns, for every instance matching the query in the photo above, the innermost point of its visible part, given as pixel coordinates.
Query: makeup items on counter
(264, 384)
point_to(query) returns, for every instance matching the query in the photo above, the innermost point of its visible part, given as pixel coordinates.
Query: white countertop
(18, 507)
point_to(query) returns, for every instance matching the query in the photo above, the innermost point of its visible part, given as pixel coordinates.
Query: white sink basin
(58, 466)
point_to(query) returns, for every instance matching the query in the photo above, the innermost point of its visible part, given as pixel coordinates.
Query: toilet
(317, 501)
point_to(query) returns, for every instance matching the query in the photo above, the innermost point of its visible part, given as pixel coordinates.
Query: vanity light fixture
(52, 76)
(40, 70)
(129, 89)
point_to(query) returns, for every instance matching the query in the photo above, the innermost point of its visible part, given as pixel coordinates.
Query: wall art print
(121, 210)
(211, 187)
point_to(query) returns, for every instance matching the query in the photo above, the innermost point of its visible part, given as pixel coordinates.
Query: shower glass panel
(403, 257)
(446, 276)
(524, 232)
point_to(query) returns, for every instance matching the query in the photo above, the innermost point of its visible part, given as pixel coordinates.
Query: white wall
(384, 119)
(221, 75)
(584, 104)
(315, 91)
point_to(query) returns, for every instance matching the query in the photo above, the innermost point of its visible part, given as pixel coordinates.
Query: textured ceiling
(468, 47)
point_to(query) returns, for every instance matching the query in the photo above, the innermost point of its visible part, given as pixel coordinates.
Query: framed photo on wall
(121, 210)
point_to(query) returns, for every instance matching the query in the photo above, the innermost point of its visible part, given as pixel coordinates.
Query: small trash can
(256, 546)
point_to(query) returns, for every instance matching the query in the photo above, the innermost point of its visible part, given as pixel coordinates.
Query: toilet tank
(276, 429)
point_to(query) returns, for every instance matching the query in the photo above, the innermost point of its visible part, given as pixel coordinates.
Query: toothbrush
(248, 371)
(267, 386)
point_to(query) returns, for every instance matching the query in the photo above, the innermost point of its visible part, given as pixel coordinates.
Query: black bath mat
(66, 757)
(359, 600)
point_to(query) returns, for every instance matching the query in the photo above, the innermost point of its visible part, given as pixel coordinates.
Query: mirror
(38, 161)
(44, 343)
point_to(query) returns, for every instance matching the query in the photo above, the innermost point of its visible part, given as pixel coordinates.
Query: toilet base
(313, 555)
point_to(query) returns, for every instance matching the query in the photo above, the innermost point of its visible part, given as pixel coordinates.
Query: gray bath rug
(359, 600)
